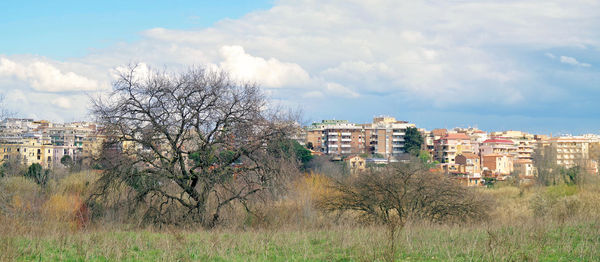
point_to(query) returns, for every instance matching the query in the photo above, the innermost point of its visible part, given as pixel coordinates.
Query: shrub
(394, 194)
(556, 202)
(37, 174)
(79, 183)
(18, 195)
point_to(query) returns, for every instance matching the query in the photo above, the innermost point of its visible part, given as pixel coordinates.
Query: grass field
(570, 241)
(556, 223)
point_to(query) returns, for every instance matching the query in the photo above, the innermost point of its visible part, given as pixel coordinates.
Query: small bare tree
(544, 161)
(183, 146)
(400, 192)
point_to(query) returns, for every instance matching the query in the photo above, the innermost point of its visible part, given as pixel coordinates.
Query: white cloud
(45, 77)
(141, 71)
(62, 102)
(429, 53)
(313, 94)
(340, 90)
(271, 72)
(572, 61)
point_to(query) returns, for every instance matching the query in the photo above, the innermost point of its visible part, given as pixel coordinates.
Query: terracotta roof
(497, 140)
(493, 155)
(439, 132)
(456, 136)
(470, 155)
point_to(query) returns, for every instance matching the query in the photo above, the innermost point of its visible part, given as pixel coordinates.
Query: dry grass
(574, 240)
(559, 223)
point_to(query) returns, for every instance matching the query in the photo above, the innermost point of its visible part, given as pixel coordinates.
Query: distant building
(356, 163)
(451, 145)
(499, 146)
(572, 151)
(498, 164)
(385, 137)
(469, 163)
(46, 143)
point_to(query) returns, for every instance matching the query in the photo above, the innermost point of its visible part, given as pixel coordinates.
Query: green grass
(571, 241)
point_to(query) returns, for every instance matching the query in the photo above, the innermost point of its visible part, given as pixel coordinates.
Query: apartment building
(336, 137)
(512, 134)
(385, 136)
(344, 139)
(498, 164)
(43, 142)
(572, 151)
(469, 163)
(499, 146)
(28, 151)
(451, 145)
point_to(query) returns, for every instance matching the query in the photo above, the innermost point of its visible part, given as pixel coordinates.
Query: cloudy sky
(529, 65)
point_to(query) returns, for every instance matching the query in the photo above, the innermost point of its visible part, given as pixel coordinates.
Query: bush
(79, 183)
(556, 202)
(18, 195)
(405, 191)
(37, 174)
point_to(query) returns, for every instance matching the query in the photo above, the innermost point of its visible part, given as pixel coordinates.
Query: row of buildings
(469, 153)
(29, 141)
(384, 137)
(466, 152)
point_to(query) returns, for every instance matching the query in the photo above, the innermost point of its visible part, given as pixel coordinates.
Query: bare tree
(184, 146)
(544, 161)
(397, 193)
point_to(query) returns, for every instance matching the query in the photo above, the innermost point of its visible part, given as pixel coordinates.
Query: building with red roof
(451, 145)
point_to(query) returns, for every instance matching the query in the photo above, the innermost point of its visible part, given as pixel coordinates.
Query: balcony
(346, 145)
(398, 134)
(346, 140)
(332, 146)
(397, 139)
(332, 139)
(332, 134)
(346, 134)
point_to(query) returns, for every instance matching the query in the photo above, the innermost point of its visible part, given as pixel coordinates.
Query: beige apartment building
(499, 146)
(469, 163)
(44, 142)
(28, 151)
(451, 145)
(572, 151)
(498, 164)
(384, 136)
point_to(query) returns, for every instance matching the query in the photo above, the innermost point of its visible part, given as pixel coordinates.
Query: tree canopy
(185, 145)
(413, 140)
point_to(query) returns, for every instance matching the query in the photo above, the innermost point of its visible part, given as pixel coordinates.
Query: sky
(531, 65)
